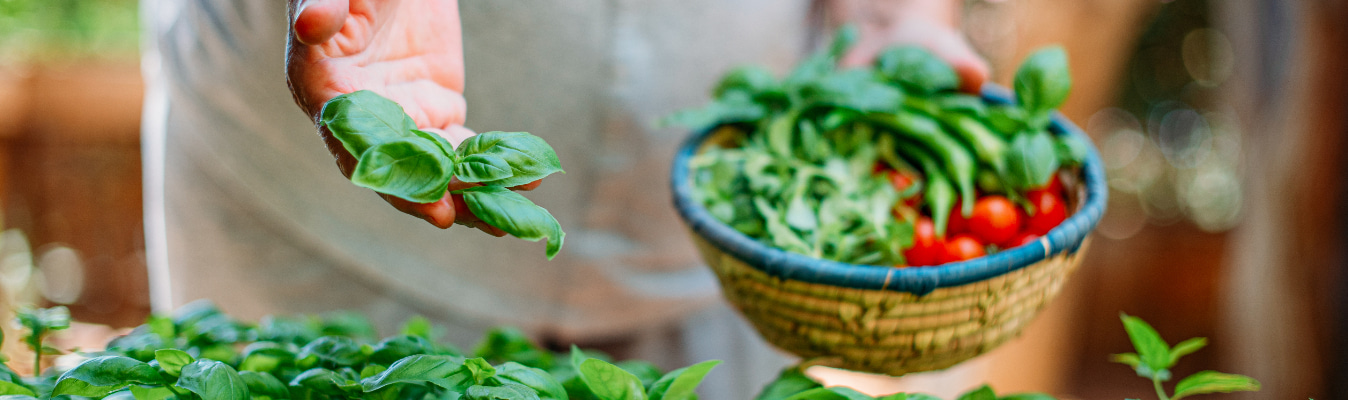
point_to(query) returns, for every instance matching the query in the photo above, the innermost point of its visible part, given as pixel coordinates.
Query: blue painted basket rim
(918, 280)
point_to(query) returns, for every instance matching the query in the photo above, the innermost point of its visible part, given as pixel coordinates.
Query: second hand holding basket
(883, 319)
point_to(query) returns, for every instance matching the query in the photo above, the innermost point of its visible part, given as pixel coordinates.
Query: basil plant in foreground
(203, 354)
(397, 159)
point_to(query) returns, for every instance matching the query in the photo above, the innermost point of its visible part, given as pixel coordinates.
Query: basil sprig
(397, 159)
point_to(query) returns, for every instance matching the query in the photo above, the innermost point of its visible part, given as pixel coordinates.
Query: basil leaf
(1214, 382)
(510, 344)
(482, 168)
(364, 119)
(1043, 81)
(789, 382)
(1151, 349)
(680, 384)
(917, 69)
(420, 327)
(750, 79)
(732, 107)
(443, 371)
(1185, 348)
(98, 376)
(172, 360)
(10, 388)
(397, 347)
(830, 393)
(515, 214)
(440, 142)
(1007, 119)
(337, 350)
(540, 381)
(529, 157)
(1031, 160)
(320, 380)
(411, 169)
(508, 391)
(151, 393)
(609, 382)
(213, 380)
(1071, 150)
(263, 384)
(1028, 396)
(982, 393)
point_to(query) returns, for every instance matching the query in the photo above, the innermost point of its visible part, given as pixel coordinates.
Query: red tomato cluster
(996, 220)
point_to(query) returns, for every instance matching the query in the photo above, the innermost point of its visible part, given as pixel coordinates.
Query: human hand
(408, 51)
(932, 24)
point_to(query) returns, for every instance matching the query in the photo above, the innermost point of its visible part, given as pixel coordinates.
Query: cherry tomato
(1020, 239)
(963, 247)
(927, 248)
(956, 223)
(903, 180)
(995, 219)
(1048, 211)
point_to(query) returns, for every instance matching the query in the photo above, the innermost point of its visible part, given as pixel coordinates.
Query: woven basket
(892, 320)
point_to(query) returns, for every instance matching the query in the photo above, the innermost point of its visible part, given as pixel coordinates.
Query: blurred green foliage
(56, 30)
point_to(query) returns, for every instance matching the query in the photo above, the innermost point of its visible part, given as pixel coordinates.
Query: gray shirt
(589, 76)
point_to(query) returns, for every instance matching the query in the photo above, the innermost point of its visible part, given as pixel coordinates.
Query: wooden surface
(70, 176)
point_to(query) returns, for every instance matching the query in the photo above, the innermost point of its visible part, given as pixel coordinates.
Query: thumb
(318, 20)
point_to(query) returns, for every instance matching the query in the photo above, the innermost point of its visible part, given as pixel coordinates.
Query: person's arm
(408, 51)
(934, 24)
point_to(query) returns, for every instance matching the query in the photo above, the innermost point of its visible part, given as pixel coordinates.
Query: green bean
(989, 148)
(958, 163)
(940, 194)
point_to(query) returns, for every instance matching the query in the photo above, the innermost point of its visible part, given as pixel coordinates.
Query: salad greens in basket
(883, 164)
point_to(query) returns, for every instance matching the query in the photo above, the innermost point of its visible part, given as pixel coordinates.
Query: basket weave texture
(892, 320)
(884, 331)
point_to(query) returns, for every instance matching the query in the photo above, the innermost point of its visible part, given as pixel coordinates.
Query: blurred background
(1220, 122)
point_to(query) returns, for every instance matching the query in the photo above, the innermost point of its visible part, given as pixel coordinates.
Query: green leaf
(1214, 382)
(1071, 150)
(1027, 396)
(364, 119)
(680, 384)
(1151, 349)
(418, 326)
(443, 371)
(440, 142)
(750, 79)
(479, 369)
(1185, 348)
(1129, 359)
(790, 381)
(645, 371)
(410, 169)
(609, 382)
(321, 380)
(830, 393)
(733, 107)
(1007, 119)
(266, 356)
(395, 348)
(264, 384)
(895, 396)
(151, 393)
(1031, 160)
(1043, 81)
(213, 380)
(515, 214)
(529, 158)
(856, 89)
(922, 396)
(98, 376)
(503, 344)
(539, 380)
(482, 168)
(981, 393)
(335, 350)
(917, 69)
(172, 360)
(508, 391)
(11, 388)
